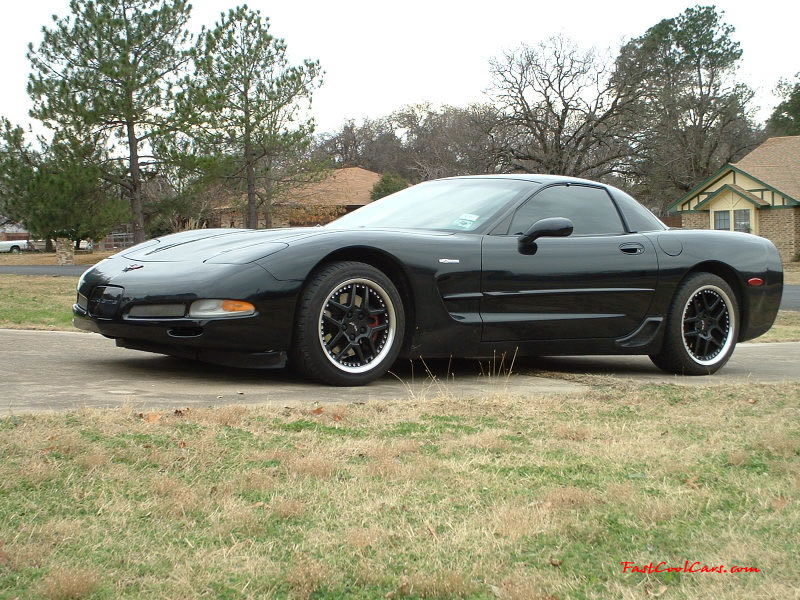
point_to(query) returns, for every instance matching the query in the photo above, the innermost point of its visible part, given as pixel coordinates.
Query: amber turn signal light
(237, 306)
(220, 308)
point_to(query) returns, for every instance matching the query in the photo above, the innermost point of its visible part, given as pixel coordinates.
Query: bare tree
(563, 110)
(449, 141)
(373, 145)
(419, 142)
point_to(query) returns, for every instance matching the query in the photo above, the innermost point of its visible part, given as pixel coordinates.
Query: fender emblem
(449, 261)
(131, 268)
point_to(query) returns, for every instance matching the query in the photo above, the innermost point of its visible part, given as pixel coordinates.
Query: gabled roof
(350, 186)
(777, 162)
(725, 169)
(739, 191)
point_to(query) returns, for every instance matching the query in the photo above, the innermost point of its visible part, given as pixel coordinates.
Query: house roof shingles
(753, 198)
(350, 186)
(776, 162)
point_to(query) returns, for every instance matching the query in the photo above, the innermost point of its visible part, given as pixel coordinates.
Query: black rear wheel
(350, 325)
(702, 327)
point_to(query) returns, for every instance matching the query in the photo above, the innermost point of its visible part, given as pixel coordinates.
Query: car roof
(532, 177)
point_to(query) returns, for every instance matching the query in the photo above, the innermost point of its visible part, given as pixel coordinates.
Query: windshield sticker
(466, 221)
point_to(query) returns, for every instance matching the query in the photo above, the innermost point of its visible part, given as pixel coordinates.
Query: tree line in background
(153, 127)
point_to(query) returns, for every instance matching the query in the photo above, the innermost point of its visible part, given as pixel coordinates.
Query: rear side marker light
(220, 308)
(755, 281)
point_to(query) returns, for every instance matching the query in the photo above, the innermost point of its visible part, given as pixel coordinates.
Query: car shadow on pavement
(155, 365)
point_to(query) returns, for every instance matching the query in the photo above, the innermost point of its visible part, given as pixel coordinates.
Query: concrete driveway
(44, 370)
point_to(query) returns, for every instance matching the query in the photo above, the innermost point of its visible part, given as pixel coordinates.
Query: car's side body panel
(568, 286)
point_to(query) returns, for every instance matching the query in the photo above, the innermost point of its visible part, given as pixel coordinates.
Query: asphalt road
(791, 297)
(44, 370)
(790, 300)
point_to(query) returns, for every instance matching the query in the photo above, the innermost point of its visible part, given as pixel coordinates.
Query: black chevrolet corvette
(466, 267)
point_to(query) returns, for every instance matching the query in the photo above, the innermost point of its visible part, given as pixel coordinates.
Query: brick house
(759, 194)
(10, 231)
(316, 203)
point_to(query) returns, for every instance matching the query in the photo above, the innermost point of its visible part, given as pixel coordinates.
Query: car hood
(241, 246)
(216, 245)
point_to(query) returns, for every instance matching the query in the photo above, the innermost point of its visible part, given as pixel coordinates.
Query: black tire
(15, 250)
(702, 327)
(350, 325)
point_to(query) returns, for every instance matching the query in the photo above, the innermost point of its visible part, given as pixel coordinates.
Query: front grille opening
(156, 311)
(184, 332)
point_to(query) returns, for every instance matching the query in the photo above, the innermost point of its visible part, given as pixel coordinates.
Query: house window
(722, 219)
(741, 220)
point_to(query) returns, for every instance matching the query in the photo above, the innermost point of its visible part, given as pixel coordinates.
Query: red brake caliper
(374, 322)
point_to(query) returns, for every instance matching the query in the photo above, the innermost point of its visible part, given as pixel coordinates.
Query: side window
(590, 209)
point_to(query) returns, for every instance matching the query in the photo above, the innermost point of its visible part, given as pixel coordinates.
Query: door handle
(631, 248)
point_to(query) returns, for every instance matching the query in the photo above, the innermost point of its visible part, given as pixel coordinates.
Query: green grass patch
(36, 302)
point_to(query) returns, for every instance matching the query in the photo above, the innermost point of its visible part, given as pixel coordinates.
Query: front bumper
(257, 341)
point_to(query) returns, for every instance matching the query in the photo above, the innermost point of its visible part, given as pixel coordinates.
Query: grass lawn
(49, 258)
(522, 498)
(791, 273)
(785, 329)
(36, 302)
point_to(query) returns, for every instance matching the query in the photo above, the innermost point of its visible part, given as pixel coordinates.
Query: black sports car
(466, 267)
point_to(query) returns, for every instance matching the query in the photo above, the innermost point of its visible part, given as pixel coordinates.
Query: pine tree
(253, 100)
(58, 191)
(106, 74)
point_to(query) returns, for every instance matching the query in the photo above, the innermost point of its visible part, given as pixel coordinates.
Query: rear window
(637, 216)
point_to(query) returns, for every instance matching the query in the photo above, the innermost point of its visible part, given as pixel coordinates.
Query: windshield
(449, 204)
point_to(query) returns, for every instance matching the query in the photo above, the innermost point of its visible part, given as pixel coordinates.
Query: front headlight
(204, 309)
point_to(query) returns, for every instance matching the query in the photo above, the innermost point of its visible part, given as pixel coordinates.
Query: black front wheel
(702, 327)
(350, 325)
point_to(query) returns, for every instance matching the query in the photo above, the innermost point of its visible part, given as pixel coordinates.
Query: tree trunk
(252, 208)
(136, 184)
(250, 168)
(268, 213)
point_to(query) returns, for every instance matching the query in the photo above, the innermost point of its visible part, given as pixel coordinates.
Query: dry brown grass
(314, 465)
(506, 496)
(442, 585)
(305, 576)
(785, 329)
(69, 584)
(288, 508)
(49, 258)
(791, 273)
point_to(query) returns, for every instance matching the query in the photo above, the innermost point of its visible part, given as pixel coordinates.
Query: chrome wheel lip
(731, 333)
(387, 346)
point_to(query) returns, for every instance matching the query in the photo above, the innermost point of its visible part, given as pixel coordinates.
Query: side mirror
(551, 227)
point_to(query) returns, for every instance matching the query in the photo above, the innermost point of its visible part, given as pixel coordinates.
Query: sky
(379, 56)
